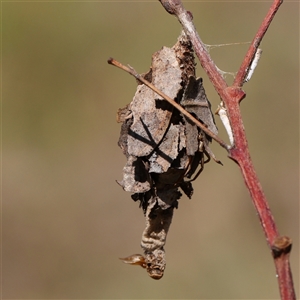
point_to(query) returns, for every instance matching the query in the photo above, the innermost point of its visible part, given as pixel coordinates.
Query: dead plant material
(165, 151)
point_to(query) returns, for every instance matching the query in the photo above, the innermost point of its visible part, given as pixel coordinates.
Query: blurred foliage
(65, 220)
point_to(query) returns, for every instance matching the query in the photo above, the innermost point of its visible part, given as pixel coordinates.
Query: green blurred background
(66, 221)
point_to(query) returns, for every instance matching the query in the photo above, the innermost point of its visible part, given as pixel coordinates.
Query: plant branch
(242, 73)
(185, 18)
(231, 97)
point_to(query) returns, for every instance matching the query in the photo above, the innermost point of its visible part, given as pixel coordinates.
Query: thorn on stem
(221, 112)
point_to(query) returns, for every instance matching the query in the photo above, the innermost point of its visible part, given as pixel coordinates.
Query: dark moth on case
(165, 151)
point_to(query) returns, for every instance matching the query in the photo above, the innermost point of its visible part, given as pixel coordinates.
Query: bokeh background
(65, 222)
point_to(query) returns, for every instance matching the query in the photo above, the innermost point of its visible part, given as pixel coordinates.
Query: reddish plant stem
(232, 96)
(239, 79)
(240, 154)
(285, 278)
(281, 251)
(207, 63)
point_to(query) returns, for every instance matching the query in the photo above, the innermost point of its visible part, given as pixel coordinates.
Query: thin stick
(132, 72)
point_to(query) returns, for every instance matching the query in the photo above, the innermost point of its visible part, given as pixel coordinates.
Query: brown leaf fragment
(123, 114)
(123, 139)
(166, 152)
(136, 178)
(149, 122)
(187, 188)
(166, 182)
(182, 138)
(143, 198)
(195, 102)
(135, 259)
(192, 142)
